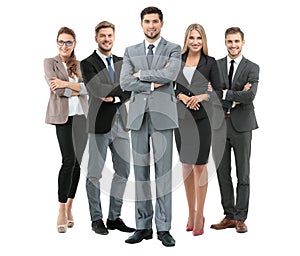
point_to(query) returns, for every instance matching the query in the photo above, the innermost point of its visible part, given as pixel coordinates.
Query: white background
(30, 157)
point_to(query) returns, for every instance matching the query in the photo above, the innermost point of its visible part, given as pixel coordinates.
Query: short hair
(234, 30)
(104, 24)
(150, 10)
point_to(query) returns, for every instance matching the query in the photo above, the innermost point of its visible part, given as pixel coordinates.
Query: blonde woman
(67, 108)
(193, 137)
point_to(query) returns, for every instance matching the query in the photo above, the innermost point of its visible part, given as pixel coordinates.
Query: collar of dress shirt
(154, 43)
(236, 60)
(103, 57)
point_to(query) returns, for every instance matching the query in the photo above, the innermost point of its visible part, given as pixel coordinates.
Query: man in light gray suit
(148, 71)
(239, 79)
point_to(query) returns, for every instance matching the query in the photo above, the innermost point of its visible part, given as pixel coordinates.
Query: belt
(227, 115)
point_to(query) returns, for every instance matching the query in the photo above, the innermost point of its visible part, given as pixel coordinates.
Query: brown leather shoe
(241, 226)
(225, 223)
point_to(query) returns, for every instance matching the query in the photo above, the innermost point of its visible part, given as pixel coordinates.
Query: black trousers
(72, 139)
(240, 143)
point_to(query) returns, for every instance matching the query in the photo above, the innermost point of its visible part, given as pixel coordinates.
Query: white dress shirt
(103, 57)
(235, 66)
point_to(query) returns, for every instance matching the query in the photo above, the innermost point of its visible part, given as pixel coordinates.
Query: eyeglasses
(67, 43)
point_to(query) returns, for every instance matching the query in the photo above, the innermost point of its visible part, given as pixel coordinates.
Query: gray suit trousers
(118, 142)
(240, 142)
(162, 147)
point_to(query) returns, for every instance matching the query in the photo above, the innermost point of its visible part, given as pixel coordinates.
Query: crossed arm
(142, 80)
(59, 86)
(248, 93)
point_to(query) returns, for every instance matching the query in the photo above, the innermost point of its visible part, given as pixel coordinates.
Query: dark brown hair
(150, 10)
(234, 30)
(72, 65)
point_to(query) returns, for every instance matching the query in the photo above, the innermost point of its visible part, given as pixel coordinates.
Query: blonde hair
(200, 29)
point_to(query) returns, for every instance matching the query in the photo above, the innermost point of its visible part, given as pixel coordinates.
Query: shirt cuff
(117, 100)
(224, 94)
(83, 90)
(68, 92)
(152, 87)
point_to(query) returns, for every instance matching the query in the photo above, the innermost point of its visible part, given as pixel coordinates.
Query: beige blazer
(58, 106)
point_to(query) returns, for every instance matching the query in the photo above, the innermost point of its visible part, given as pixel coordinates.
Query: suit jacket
(99, 84)
(242, 115)
(58, 105)
(160, 103)
(206, 71)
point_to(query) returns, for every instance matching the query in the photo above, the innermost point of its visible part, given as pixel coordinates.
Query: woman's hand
(189, 101)
(56, 83)
(193, 102)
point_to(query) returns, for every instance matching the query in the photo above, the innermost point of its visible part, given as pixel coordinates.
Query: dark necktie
(230, 73)
(110, 69)
(150, 54)
(111, 74)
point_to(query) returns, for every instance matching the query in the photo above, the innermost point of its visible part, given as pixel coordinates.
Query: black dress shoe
(99, 227)
(139, 235)
(118, 224)
(166, 238)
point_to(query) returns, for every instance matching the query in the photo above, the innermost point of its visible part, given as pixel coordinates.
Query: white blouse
(75, 107)
(189, 72)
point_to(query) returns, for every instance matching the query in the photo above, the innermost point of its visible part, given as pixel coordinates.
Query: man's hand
(136, 74)
(247, 87)
(157, 85)
(209, 87)
(107, 99)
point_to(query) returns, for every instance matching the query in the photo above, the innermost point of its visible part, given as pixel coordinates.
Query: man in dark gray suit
(239, 78)
(148, 71)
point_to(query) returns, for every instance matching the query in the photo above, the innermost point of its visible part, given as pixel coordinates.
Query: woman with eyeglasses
(67, 109)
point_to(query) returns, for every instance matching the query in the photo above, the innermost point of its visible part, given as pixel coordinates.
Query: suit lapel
(239, 70)
(117, 65)
(158, 52)
(181, 79)
(141, 56)
(61, 68)
(100, 66)
(224, 71)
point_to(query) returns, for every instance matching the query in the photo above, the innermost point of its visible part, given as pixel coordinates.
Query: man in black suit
(239, 79)
(106, 127)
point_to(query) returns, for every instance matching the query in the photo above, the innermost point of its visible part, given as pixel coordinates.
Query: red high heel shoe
(189, 228)
(199, 232)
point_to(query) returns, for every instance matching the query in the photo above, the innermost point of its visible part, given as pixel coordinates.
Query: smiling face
(194, 41)
(65, 45)
(151, 25)
(234, 44)
(105, 39)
